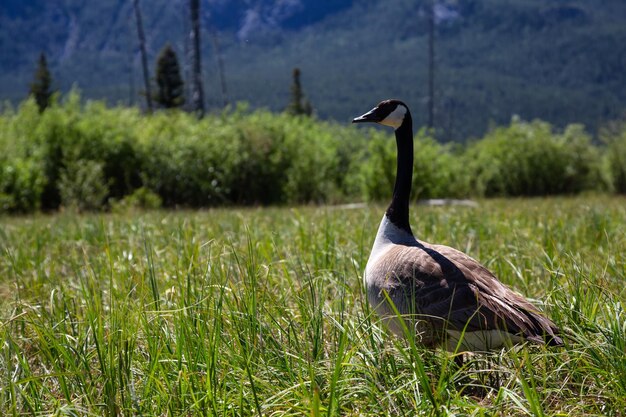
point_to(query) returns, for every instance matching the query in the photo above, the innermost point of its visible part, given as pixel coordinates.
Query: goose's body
(445, 296)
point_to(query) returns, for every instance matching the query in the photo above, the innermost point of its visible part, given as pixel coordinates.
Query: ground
(262, 312)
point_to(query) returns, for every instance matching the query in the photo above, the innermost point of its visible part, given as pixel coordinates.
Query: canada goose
(449, 298)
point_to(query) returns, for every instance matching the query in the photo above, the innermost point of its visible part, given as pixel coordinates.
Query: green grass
(262, 312)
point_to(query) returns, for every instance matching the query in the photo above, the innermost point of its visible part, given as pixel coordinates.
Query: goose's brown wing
(453, 291)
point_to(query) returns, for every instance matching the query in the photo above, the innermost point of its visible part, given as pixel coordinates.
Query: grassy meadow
(262, 312)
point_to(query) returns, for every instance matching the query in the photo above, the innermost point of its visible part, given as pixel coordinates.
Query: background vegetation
(97, 157)
(560, 61)
(244, 312)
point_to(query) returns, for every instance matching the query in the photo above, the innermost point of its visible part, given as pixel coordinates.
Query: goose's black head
(389, 113)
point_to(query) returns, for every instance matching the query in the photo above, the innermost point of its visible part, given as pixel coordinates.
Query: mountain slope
(562, 61)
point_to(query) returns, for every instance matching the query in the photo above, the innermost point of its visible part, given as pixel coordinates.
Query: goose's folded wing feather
(441, 283)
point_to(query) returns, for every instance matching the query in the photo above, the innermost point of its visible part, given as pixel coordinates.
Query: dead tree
(187, 57)
(197, 93)
(220, 64)
(431, 63)
(144, 57)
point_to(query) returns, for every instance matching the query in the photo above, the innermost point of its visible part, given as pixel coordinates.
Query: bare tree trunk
(131, 79)
(144, 57)
(131, 65)
(197, 93)
(431, 64)
(220, 64)
(188, 58)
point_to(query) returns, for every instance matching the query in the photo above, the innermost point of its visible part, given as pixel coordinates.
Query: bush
(93, 133)
(615, 157)
(86, 156)
(22, 176)
(141, 198)
(529, 159)
(437, 172)
(82, 185)
(184, 161)
(21, 184)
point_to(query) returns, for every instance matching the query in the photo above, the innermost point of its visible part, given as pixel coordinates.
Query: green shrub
(21, 184)
(85, 155)
(22, 176)
(82, 185)
(437, 172)
(261, 159)
(94, 133)
(314, 171)
(377, 167)
(530, 159)
(183, 160)
(142, 198)
(615, 157)
(238, 157)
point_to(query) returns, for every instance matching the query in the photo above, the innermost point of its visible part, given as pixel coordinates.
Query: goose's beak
(369, 117)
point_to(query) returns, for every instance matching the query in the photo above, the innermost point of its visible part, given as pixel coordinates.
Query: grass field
(262, 312)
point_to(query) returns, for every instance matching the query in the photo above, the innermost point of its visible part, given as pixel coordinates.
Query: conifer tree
(40, 88)
(170, 92)
(299, 105)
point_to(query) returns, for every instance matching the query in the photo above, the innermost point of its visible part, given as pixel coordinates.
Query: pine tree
(299, 105)
(40, 87)
(170, 92)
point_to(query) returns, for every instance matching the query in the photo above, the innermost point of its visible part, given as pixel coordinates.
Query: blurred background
(195, 103)
(562, 61)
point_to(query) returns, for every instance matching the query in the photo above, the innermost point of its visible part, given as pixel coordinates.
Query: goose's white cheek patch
(395, 118)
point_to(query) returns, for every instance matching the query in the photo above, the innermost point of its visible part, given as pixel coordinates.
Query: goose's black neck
(398, 210)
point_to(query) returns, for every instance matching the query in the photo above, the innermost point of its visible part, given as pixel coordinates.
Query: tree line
(170, 92)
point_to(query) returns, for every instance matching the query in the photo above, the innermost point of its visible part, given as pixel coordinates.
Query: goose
(446, 297)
